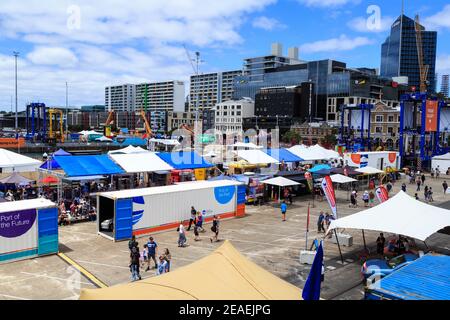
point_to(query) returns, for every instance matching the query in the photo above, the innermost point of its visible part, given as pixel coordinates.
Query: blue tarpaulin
(184, 160)
(283, 155)
(79, 166)
(311, 290)
(130, 141)
(61, 152)
(319, 168)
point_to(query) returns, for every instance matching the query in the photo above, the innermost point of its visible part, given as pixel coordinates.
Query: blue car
(383, 267)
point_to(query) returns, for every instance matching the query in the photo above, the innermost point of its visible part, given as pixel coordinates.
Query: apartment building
(120, 98)
(160, 96)
(229, 115)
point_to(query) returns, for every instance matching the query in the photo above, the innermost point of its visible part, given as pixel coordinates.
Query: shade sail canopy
(184, 160)
(50, 165)
(61, 152)
(79, 166)
(401, 214)
(283, 155)
(256, 157)
(369, 170)
(140, 162)
(17, 179)
(17, 162)
(339, 178)
(280, 182)
(225, 275)
(442, 157)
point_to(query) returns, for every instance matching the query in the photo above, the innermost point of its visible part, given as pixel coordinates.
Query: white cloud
(327, 3)
(443, 64)
(118, 41)
(439, 20)
(361, 24)
(268, 24)
(53, 56)
(342, 43)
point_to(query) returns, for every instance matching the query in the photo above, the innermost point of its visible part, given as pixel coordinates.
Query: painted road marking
(83, 271)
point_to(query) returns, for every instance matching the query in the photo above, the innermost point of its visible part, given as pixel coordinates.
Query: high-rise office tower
(445, 85)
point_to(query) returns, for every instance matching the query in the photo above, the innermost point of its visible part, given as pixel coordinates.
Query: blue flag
(311, 291)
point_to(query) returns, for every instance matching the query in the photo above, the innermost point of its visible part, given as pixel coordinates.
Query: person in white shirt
(162, 266)
(181, 235)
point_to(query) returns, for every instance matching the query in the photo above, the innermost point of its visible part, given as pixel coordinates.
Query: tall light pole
(67, 109)
(16, 55)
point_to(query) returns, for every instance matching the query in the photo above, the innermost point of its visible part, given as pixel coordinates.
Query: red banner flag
(382, 194)
(328, 189)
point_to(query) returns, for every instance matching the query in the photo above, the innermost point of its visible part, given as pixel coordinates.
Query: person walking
(404, 187)
(152, 247)
(438, 172)
(416, 196)
(423, 178)
(425, 193)
(181, 235)
(200, 220)
(132, 243)
(320, 222)
(380, 244)
(371, 198)
(430, 195)
(283, 208)
(215, 229)
(134, 263)
(193, 218)
(445, 186)
(365, 198)
(418, 182)
(196, 234)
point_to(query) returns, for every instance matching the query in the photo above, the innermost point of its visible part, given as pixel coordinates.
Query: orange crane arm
(147, 125)
(423, 69)
(110, 119)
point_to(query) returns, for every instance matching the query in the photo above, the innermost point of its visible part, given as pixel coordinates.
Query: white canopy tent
(401, 214)
(128, 150)
(104, 139)
(341, 179)
(140, 162)
(14, 162)
(280, 182)
(327, 154)
(256, 157)
(166, 142)
(442, 161)
(314, 153)
(369, 170)
(246, 145)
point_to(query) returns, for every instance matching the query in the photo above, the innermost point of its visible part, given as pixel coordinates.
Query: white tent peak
(280, 182)
(401, 214)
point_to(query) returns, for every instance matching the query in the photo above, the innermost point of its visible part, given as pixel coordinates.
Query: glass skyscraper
(399, 53)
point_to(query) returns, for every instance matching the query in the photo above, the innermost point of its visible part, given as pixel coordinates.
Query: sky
(93, 44)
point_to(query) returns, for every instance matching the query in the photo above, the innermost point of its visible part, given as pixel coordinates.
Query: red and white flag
(328, 189)
(382, 194)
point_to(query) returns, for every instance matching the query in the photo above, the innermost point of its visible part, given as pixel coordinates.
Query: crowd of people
(148, 256)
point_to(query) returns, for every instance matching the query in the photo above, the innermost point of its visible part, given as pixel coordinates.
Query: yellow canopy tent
(224, 275)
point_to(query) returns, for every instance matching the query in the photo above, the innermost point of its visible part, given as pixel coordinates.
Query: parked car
(382, 267)
(107, 225)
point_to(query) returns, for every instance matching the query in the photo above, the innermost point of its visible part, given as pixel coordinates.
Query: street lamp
(16, 55)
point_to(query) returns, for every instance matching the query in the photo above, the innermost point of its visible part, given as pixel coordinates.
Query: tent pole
(364, 239)
(339, 246)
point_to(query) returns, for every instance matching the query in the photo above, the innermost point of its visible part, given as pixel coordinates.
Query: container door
(123, 225)
(48, 231)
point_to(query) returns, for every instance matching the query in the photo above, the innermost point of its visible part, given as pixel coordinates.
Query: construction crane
(55, 134)
(109, 121)
(148, 129)
(423, 69)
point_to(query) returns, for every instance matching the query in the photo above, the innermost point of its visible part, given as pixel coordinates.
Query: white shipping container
(380, 160)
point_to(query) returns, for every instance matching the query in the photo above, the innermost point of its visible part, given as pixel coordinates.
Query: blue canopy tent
(61, 153)
(50, 165)
(133, 141)
(184, 160)
(283, 155)
(80, 166)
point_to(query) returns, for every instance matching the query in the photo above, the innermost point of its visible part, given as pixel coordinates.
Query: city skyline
(93, 45)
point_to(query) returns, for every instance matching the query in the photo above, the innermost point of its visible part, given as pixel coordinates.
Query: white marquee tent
(128, 150)
(369, 170)
(442, 161)
(256, 157)
(402, 215)
(14, 162)
(314, 153)
(280, 182)
(140, 162)
(341, 179)
(248, 145)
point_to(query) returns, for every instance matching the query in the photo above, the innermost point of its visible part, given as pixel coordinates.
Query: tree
(329, 139)
(292, 137)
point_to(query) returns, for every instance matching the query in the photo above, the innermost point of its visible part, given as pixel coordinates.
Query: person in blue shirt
(151, 247)
(283, 210)
(320, 222)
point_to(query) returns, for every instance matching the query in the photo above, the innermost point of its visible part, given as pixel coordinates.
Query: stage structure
(354, 133)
